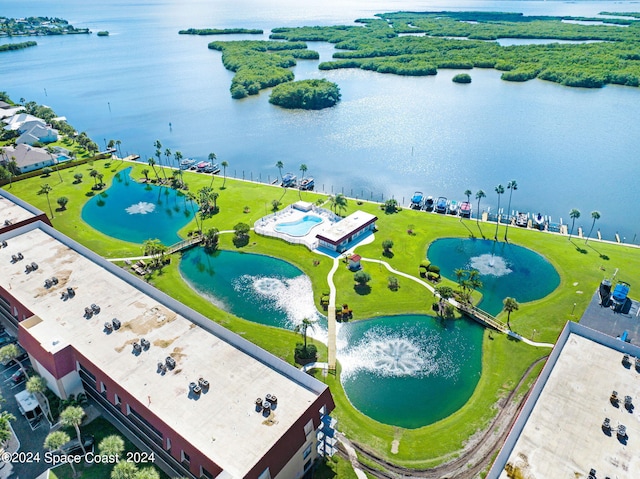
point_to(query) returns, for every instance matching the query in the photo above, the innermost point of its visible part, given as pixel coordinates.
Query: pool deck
(267, 225)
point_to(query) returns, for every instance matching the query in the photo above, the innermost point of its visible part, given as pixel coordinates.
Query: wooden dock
(186, 244)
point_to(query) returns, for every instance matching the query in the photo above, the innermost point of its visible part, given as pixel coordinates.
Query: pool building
(207, 402)
(304, 223)
(579, 419)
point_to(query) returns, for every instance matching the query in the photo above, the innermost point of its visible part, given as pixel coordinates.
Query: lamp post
(574, 308)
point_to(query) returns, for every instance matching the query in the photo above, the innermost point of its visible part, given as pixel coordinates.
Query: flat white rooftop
(222, 423)
(563, 437)
(11, 212)
(342, 229)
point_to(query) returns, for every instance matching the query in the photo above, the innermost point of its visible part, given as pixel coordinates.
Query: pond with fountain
(505, 269)
(136, 212)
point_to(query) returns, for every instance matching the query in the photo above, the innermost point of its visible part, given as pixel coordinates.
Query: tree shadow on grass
(388, 254)
(362, 289)
(602, 256)
(578, 248)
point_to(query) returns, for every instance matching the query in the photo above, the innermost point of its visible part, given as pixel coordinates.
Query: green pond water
(136, 212)
(407, 371)
(505, 269)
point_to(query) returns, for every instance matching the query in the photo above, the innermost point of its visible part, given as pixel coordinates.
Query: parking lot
(29, 435)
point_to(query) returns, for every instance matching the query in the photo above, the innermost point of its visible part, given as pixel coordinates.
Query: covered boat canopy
(620, 292)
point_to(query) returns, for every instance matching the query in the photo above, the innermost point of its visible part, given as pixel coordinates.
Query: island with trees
(220, 31)
(8, 47)
(306, 95)
(418, 44)
(37, 26)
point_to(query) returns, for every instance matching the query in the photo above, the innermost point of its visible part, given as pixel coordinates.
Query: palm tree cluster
(155, 249)
(338, 202)
(468, 281)
(207, 200)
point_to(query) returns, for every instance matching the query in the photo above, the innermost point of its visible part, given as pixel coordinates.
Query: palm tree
(147, 473)
(45, 190)
(340, 202)
(145, 172)
(12, 166)
(512, 186)
(118, 143)
(111, 445)
(124, 470)
(479, 195)
(468, 194)
(224, 172)
(37, 386)
(303, 327)
(94, 174)
(55, 441)
(500, 190)
(73, 416)
(574, 214)
(596, 216)
(10, 352)
(5, 427)
(510, 305)
(167, 153)
(50, 150)
(152, 164)
(78, 177)
(280, 165)
(303, 169)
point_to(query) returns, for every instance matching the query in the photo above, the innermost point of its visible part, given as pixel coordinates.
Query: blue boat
(441, 205)
(289, 180)
(416, 200)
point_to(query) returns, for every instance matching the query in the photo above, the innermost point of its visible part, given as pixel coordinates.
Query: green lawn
(581, 268)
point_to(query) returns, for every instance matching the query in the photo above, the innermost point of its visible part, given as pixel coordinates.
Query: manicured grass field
(581, 268)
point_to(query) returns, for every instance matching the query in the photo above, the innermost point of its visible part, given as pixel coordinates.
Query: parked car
(72, 448)
(6, 339)
(18, 377)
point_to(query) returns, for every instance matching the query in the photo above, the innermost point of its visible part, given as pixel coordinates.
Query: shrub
(362, 277)
(433, 269)
(461, 78)
(393, 283)
(387, 244)
(308, 354)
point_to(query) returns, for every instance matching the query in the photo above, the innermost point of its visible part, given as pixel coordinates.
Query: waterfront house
(35, 132)
(28, 158)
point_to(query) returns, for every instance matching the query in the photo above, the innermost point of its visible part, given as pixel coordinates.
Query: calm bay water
(567, 148)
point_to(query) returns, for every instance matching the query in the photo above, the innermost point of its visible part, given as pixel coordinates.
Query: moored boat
(288, 179)
(428, 203)
(441, 205)
(306, 184)
(539, 221)
(465, 209)
(416, 200)
(522, 220)
(186, 163)
(453, 207)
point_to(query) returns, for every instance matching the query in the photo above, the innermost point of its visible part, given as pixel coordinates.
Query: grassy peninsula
(418, 44)
(504, 361)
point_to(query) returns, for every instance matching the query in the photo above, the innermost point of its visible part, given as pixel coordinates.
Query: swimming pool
(299, 227)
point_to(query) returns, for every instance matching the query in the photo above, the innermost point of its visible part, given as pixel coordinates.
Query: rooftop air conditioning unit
(170, 362)
(116, 323)
(145, 343)
(108, 327)
(137, 348)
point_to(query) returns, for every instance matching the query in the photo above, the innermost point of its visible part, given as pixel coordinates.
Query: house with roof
(28, 158)
(35, 132)
(16, 121)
